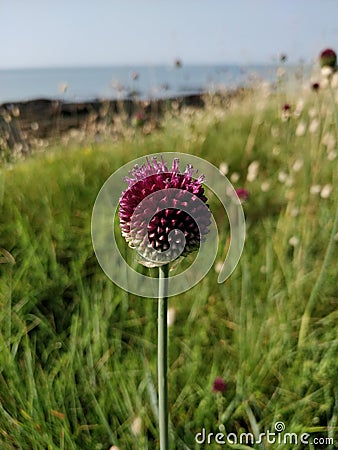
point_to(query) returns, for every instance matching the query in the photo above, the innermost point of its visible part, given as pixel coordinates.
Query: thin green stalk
(318, 284)
(163, 356)
(327, 260)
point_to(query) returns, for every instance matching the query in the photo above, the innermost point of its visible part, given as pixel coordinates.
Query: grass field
(78, 355)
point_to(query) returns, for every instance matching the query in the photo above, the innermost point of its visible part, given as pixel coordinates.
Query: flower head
(286, 111)
(219, 385)
(328, 57)
(243, 194)
(163, 213)
(315, 86)
(139, 119)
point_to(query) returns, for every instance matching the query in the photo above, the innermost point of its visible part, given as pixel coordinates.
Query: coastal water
(80, 84)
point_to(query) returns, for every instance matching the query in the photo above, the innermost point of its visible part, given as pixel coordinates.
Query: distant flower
(283, 58)
(334, 81)
(328, 57)
(332, 155)
(224, 168)
(63, 88)
(299, 108)
(171, 316)
(235, 176)
(114, 447)
(326, 72)
(170, 227)
(294, 241)
(294, 212)
(218, 266)
(136, 426)
(282, 176)
(326, 191)
(265, 186)
(315, 86)
(297, 165)
(252, 171)
(219, 385)
(139, 119)
(301, 128)
(134, 76)
(286, 111)
(329, 141)
(315, 189)
(314, 124)
(243, 194)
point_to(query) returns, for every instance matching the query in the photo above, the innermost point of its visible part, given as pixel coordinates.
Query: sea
(76, 84)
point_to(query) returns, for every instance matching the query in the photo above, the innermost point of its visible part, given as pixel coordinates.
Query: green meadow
(78, 355)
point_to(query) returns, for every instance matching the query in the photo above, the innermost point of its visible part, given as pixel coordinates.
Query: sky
(49, 33)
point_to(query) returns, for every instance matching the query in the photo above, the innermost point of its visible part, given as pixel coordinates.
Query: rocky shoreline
(24, 124)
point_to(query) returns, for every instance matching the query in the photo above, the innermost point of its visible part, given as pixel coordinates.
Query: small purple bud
(328, 57)
(219, 385)
(243, 194)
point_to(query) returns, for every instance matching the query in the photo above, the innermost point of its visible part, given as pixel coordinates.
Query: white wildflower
(293, 241)
(299, 108)
(301, 128)
(315, 189)
(224, 168)
(329, 140)
(297, 165)
(171, 314)
(334, 81)
(326, 71)
(282, 177)
(265, 186)
(331, 156)
(313, 127)
(136, 426)
(294, 212)
(234, 177)
(252, 171)
(218, 266)
(326, 191)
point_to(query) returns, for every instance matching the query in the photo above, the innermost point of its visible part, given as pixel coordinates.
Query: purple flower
(161, 223)
(243, 194)
(328, 57)
(315, 86)
(139, 119)
(219, 385)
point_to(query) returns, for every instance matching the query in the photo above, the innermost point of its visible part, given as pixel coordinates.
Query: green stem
(163, 356)
(305, 321)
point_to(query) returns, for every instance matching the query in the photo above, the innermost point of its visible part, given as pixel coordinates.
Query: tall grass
(78, 355)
